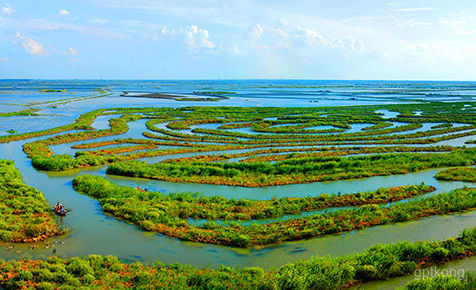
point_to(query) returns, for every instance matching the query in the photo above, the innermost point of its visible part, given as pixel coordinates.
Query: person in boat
(59, 208)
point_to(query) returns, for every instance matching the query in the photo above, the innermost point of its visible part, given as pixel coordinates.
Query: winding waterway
(93, 232)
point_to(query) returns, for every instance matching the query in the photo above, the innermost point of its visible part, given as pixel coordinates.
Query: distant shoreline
(202, 98)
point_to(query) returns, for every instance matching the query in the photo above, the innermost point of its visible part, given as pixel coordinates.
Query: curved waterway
(93, 232)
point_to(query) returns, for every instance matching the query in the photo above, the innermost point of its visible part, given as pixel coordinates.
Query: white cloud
(7, 9)
(73, 51)
(297, 39)
(256, 31)
(197, 38)
(4, 59)
(311, 37)
(64, 12)
(31, 46)
(348, 42)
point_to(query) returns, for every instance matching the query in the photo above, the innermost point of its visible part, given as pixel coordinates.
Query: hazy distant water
(254, 92)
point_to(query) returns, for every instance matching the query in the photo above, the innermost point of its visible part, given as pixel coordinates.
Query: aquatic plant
(168, 215)
(466, 282)
(377, 263)
(292, 171)
(467, 174)
(25, 216)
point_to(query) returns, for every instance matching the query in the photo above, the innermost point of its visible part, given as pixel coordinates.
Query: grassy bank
(25, 216)
(168, 215)
(377, 263)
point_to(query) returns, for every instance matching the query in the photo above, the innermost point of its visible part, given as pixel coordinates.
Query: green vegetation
(467, 282)
(25, 216)
(169, 215)
(52, 91)
(291, 127)
(27, 112)
(274, 146)
(467, 174)
(376, 126)
(377, 263)
(187, 205)
(11, 131)
(293, 171)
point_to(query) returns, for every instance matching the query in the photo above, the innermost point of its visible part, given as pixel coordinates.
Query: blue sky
(205, 39)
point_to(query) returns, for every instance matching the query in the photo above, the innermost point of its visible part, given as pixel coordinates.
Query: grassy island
(169, 215)
(25, 216)
(467, 174)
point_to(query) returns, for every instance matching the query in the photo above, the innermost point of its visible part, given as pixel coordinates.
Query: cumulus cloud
(64, 12)
(72, 51)
(348, 42)
(311, 37)
(7, 9)
(297, 38)
(31, 46)
(197, 38)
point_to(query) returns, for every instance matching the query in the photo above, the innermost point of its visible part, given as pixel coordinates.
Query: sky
(241, 39)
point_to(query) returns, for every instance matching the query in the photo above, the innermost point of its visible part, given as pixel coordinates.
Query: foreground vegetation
(467, 282)
(467, 174)
(169, 215)
(377, 263)
(25, 216)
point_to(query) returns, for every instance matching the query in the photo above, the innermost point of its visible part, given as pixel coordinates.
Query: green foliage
(444, 283)
(27, 112)
(467, 174)
(24, 213)
(378, 262)
(293, 170)
(168, 214)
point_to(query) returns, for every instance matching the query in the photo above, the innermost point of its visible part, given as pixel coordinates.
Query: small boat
(60, 213)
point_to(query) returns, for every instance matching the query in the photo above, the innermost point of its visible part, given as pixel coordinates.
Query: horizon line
(229, 79)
